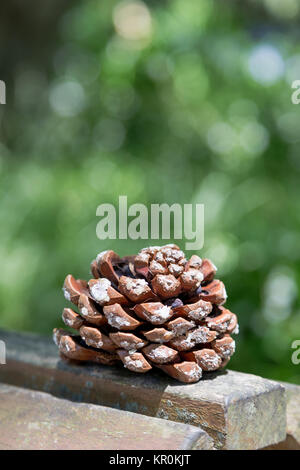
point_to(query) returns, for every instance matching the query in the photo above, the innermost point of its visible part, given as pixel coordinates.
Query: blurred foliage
(170, 101)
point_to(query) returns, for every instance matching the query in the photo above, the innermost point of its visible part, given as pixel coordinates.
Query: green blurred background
(162, 101)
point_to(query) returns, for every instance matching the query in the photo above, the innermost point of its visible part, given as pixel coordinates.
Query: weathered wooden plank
(292, 440)
(37, 420)
(240, 411)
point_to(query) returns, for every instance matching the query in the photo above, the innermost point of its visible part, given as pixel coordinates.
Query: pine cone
(153, 309)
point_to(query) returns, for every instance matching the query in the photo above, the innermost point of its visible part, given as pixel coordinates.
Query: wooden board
(36, 420)
(239, 411)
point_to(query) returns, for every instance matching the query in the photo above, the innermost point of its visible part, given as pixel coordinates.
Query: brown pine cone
(155, 309)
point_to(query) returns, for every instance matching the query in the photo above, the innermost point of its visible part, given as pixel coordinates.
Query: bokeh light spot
(132, 20)
(221, 138)
(280, 291)
(254, 138)
(67, 99)
(266, 65)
